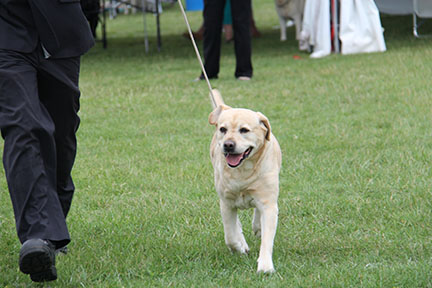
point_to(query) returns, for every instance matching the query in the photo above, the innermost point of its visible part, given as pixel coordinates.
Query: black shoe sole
(38, 261)
(47, 275)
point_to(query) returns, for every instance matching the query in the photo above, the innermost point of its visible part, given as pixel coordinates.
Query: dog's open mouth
(234, 160)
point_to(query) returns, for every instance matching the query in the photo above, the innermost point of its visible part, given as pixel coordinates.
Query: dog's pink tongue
(234, 159)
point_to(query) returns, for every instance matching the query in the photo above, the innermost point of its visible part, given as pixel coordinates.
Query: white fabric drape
(360, 27)
(316, 27)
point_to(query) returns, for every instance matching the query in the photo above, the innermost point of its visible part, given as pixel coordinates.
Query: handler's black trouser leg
(213, 15)
(241, 11)
(39, 101)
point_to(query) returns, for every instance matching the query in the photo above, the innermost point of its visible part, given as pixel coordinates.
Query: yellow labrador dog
(291, 10)
(246, 158)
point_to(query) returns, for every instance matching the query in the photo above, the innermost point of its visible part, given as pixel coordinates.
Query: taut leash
(197, 54)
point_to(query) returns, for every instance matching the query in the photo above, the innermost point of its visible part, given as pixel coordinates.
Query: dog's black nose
(229, 146)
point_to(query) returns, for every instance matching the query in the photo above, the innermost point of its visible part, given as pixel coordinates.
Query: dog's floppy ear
(214, 116)
(266, 125)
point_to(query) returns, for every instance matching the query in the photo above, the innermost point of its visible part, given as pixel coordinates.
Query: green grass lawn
(356, 137)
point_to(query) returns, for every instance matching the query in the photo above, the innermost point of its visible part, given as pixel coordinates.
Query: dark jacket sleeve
(62, 27)
(17, 29)
(59, 24)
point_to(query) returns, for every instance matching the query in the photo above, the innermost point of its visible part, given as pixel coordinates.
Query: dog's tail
(216, 98)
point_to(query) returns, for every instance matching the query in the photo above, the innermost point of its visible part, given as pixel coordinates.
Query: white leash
(197, 53)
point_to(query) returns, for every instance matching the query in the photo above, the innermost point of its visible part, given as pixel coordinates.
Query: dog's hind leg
(256, 223)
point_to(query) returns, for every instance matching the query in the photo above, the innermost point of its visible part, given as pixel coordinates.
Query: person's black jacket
(58, 24)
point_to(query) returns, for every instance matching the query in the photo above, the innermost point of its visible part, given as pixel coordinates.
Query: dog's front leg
(234, 237)
(282, 24)
(269, 218)
(303, 44)
(298, 25)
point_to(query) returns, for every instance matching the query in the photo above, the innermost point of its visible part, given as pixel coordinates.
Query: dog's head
(240, 132)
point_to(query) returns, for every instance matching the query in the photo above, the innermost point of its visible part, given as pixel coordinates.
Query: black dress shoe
(201, 77)
(37, 258)
(63, 250)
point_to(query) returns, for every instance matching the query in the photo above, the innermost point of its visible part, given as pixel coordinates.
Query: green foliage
(355, 132)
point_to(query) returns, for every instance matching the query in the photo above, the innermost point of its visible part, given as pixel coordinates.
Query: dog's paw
(304, 36)
(265, 266)
(256, 231)
(240, 247)
(303, 46)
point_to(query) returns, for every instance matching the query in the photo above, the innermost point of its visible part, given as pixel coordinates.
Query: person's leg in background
(254, 30)
(213, 16)
(241, 17)
(227, 22)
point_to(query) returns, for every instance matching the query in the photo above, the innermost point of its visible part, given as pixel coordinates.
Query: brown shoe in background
(198, 35)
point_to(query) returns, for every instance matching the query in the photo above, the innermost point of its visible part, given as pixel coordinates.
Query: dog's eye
(244, 130)
(223, 130)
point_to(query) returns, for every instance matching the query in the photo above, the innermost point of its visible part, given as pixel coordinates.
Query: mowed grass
(355, 189)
